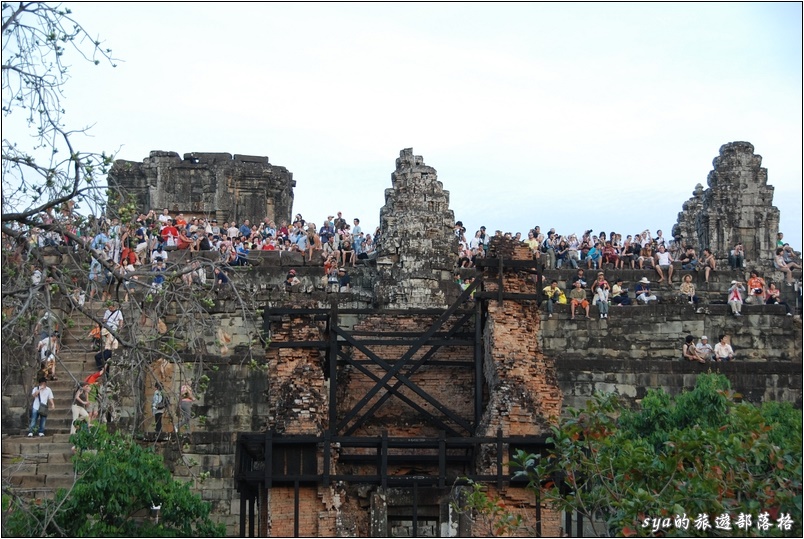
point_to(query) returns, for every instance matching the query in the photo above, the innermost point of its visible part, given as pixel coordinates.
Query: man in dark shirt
(579, 277)
(344, 281)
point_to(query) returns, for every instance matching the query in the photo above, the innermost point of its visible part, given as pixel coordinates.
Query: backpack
(164, 403)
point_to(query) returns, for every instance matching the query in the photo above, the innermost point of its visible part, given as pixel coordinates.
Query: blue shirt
(100, 241)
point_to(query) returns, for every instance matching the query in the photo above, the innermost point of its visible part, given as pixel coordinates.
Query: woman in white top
(784, 267)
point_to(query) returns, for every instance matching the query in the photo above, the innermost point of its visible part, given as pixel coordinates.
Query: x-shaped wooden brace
(394, 371)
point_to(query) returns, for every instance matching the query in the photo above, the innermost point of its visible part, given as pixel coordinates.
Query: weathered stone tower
(737, 207)
(417, 244)
(215, 185)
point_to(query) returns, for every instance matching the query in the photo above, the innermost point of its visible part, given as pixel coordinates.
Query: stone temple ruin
(215, 185)
(375, 404)
(737, 207)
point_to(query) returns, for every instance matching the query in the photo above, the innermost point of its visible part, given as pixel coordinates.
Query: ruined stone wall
(298, 399)
(533, 366)
(215, 185)
(524, 398)
(737, 207)
(317, 512)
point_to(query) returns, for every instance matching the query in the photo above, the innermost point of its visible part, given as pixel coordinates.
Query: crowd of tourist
(147, 241)
(123, 250)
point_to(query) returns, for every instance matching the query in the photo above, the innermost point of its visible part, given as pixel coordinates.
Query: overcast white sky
(572, 116)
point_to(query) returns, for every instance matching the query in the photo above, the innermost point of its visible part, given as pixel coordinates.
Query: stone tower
(215, 185)
(737, 207)
(417, 242)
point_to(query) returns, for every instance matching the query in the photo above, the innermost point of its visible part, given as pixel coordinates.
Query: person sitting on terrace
(573, 254)
(737, 257)
(689, 350)
(298, 237)
(577, 298)
(619, 295)
(594, 257)
(164, 217)
(789, 255)
(531, 242)
(784, 267)
(554, 295)
(600, 280)
(313, 242)
(687, 289)
(688, 260)
(642, 291)
(232, 231)
(735, 297)
(773, 298)
(723, 350)
(664, 262)
(562, 254)
(704, 349)
(756, 288)
(610, 255)
(326, 231)
(708, 263)
(185, 242)
(245, 229)
(170, 235)
(601, 297)
(579, 277)
(330, 249)
(344, 281)
(347, 253)
(369, 247)
(646, 256)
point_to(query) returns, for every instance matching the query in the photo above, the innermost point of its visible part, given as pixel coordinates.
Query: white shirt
(44, 396)
(723, 351)
(112, 319)
(663, 258)
(704, 350)
(46, 349)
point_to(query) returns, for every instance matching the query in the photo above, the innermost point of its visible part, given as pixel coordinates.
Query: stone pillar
(298, 399)
(417, 243)
(524, 395)
(737, 207)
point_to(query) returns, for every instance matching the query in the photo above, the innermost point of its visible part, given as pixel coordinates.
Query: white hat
(644, 280)
(734, 282)
(704, 338)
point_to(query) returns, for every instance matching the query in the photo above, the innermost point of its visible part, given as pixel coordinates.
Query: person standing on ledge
(158, 406)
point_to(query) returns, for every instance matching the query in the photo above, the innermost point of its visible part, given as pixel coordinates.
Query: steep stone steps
(36, 467)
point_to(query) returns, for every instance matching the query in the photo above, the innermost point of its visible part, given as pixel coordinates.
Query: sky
(573, 116)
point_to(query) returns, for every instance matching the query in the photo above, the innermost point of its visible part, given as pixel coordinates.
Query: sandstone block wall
(208, 184)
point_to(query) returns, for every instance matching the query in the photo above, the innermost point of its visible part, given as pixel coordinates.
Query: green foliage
(698, 453)
(119, 482)
(487, 512)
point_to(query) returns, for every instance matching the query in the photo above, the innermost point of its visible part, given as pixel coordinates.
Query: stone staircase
(35, 467)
